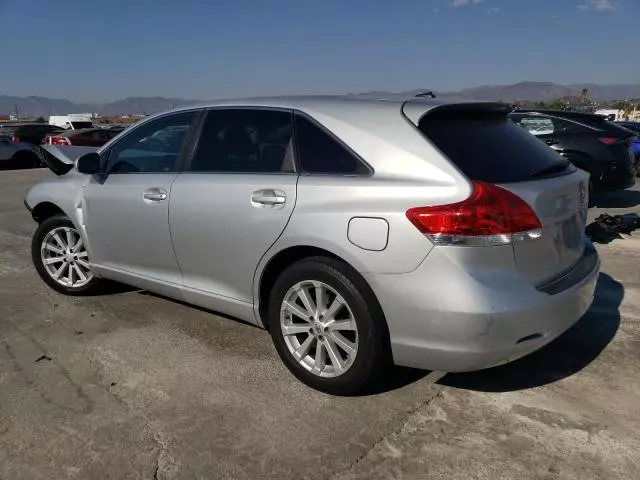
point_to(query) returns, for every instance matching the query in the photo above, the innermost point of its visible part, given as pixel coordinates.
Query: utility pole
(15, 109)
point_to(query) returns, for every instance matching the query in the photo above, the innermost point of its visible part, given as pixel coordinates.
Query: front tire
(61, 258)
(26, 159)
(327, 326)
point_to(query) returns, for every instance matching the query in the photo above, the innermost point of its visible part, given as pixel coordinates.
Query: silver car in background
(17, 154)
(360, 233)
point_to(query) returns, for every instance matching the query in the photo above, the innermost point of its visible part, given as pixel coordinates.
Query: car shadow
(565, 356)
(616, 199)
(109, 287)
(394, 379)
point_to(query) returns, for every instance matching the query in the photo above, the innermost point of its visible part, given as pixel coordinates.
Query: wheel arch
(25, 154)
(287, 257)
(44, 210)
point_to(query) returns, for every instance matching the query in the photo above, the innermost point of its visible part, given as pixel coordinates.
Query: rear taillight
(490, 216)
(60, 141)
(15, 138)
(610, 140)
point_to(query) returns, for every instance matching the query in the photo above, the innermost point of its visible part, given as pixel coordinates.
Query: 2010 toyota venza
(360, 233)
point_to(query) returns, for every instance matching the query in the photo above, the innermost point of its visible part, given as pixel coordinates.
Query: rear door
(233, 200)
(490, 148)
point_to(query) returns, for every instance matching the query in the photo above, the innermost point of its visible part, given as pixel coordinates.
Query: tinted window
(80, 125)
(535, 124)
(153, 147)
(244, 141)
(489, 147)
(319, 152)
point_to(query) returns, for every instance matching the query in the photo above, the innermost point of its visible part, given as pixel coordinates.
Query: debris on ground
(606, 228)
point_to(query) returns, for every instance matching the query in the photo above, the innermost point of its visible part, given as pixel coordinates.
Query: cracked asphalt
(130, 385)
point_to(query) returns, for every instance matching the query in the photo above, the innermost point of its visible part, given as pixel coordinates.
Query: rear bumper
(454, 321)
(617, 176)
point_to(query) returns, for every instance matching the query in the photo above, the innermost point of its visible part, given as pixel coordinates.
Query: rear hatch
(486, 146)
(623, 147)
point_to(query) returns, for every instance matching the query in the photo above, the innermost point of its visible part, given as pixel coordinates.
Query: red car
(87, 137)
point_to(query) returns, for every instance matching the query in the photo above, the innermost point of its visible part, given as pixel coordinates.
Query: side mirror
(89, 163)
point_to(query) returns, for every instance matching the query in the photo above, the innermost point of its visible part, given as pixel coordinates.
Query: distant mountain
(609, 92)
(133, 105)
(35, 106)
(532, 91)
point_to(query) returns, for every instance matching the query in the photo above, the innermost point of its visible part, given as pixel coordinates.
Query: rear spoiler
(415, 110)
(60, 160)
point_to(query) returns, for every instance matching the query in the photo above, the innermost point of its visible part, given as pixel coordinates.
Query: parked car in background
(613, 115)
(91, 137)
(17, 154)
(589, 141)
(32, 133)
(73, 121)
(635, 146)
(358, 232)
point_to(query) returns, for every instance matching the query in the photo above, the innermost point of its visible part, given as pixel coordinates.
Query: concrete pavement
(129, 385)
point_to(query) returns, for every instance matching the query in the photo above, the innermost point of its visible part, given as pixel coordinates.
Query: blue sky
(86, 50)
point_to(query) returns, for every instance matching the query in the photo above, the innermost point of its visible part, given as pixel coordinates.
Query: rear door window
(489, 147)
(244, 141)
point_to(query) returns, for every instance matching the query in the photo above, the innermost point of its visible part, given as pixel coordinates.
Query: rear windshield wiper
(557, 167)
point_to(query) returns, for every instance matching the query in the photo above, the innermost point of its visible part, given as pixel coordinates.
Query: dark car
(635, 147)
(88, 137)
(32, 133)
(589, 141)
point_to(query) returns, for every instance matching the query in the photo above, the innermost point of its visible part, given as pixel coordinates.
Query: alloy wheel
(319, 328)
(65, 257)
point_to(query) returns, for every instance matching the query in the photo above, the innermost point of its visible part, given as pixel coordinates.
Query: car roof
(341, 106)
(374, 129)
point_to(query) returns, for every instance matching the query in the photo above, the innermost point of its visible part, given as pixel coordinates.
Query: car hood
(60, 160)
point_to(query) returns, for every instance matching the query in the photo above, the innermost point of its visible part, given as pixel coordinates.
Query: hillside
(532, 91)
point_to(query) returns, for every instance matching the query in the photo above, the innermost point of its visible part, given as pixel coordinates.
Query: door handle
(551, 141)
(155, 195)
(269, 197)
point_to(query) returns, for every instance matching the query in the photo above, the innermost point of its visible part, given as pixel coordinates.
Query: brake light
(15, 138)
(490, 216)
(609, 140)
(60, 141)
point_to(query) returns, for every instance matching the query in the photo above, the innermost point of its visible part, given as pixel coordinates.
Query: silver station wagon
(360, 233)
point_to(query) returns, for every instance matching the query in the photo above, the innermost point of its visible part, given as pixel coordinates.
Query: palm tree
(584, 95)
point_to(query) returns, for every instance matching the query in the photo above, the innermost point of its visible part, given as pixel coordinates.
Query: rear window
(488, 147)
(80, 125)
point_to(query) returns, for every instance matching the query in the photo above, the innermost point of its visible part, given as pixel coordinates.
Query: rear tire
(338, 344)
(26, 160)
(61, 259)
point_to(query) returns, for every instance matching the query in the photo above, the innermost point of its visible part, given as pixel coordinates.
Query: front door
(233, 200)
(126, 209)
